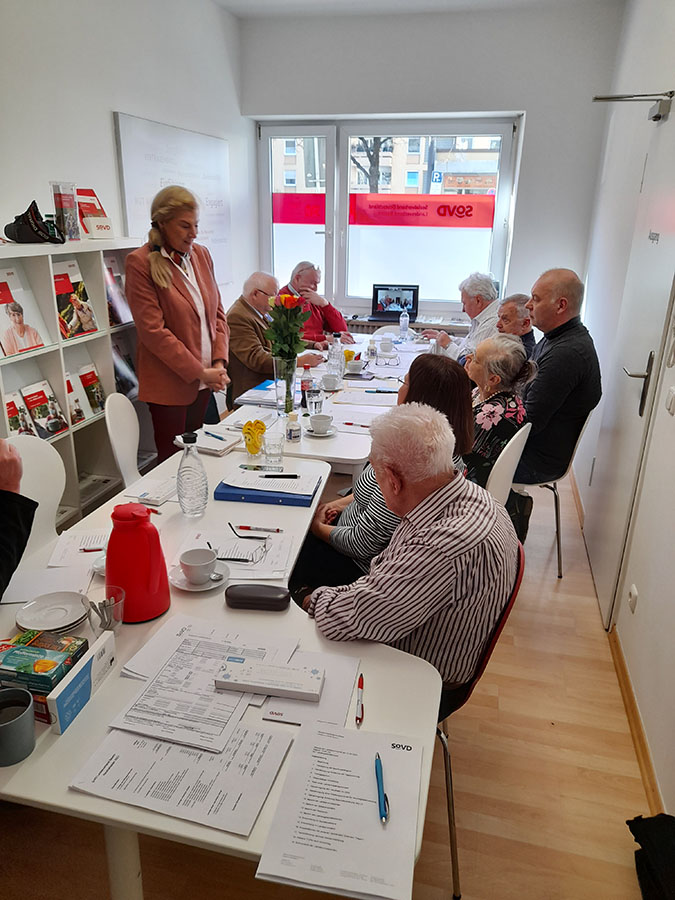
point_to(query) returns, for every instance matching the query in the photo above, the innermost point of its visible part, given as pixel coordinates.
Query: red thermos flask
(135, 562)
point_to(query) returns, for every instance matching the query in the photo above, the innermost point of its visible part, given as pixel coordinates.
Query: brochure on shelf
(78, 410)
(93, 388)
(19, 418)
(93, 219)
(65, 209)
(44, 409)
(22, 327)
(76, 314)
(118, 308)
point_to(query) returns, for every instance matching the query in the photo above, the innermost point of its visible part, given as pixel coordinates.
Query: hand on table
(11, 468)
(321, 345)
(442, 338)
(310, 359)
(346, 338)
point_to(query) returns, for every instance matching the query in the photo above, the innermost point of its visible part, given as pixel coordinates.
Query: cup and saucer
(199, 570)
(320, 426)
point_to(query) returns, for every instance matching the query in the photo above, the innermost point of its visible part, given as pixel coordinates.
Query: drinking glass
(274, 447)
(314, 401)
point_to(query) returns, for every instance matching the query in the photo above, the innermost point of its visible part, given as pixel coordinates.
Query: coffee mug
(355, 366)
(330, 381)
(17, 725)
(320, 423)
(198, 564)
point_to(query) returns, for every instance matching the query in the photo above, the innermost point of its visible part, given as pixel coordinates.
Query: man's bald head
(557, 296)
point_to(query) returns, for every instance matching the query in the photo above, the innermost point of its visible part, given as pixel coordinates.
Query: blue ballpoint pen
(382, 801)
(218, 437)
(379, 391)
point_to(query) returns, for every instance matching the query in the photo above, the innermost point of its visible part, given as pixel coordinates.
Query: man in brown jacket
(250, 357)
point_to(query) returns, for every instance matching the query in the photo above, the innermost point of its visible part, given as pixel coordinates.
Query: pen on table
(359, 701)
(218, 437)
(356, 424)
(280, 475)
(245, 537)
(259, 528)
(92, 549)
(379, 391)
(382, 800)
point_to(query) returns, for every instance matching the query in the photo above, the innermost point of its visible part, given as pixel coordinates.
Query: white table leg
(124, 863)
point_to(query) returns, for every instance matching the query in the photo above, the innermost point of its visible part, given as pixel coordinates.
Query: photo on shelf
(76, 315)
(77, 409)
(44, 409)
(93, 388)
(118, 308)
(22, 327)
(18, 416)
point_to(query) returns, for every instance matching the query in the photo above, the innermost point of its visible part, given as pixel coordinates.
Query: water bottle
(305, 385)
(192, 483)
(403, 322)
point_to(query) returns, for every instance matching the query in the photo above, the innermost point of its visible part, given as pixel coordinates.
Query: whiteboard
(151, 156)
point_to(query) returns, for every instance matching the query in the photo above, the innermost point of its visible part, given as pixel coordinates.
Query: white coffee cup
(386, 345)
(355, 366)
(320, 423)
(198, 565)
(330, 381)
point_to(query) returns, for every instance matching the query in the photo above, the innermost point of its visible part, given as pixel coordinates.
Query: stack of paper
(153, 491)
(212, 446)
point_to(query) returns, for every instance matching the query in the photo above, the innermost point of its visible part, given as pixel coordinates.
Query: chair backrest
(576, 446)
(501, 476)
(44, 480)
(123, 430)
(452, 699)
(392, 328)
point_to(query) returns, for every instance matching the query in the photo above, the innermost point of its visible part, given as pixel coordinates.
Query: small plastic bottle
(192, 483)
(293, 430)
(371, 352)
(403, 323)
(433, 346)
(305, 385)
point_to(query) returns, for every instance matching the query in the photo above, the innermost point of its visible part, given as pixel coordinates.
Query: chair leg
(449, 796)
(558, 538)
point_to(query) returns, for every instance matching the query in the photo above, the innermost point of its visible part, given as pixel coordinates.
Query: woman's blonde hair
(168, 203)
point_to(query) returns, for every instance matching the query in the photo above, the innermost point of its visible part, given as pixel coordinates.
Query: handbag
(30, 228)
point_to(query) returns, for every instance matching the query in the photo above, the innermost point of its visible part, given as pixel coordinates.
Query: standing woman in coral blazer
(183, 336)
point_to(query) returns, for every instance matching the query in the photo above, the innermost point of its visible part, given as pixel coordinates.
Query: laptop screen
(389, 300)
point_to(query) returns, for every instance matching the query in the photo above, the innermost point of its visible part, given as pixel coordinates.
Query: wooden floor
(545, 774)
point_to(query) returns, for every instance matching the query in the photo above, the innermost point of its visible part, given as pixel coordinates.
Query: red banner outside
(437, 211)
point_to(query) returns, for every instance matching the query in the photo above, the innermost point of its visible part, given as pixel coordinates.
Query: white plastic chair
(123, 431)
(553, 487)
(391, 329)
(44, 480)
(501, 476)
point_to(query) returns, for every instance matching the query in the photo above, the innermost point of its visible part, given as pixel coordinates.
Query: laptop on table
(389, 301)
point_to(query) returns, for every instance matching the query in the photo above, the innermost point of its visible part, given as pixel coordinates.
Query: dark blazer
(250, 357)
(169, 360)
(16, 521)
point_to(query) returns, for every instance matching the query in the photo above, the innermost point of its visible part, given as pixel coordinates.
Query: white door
(640, 336)
(646, 633)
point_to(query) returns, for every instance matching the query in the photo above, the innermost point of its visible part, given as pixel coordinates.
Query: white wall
(547, 62)
(66, 65)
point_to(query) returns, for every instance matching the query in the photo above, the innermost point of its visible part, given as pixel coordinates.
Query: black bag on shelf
(655, 861)
(30, 228)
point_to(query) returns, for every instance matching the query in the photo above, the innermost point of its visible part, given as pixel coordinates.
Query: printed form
(224, 790)
(326, 832)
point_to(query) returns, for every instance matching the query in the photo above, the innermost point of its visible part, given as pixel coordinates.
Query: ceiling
(258, 8)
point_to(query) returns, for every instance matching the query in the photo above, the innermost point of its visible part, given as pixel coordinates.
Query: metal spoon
(216, 576)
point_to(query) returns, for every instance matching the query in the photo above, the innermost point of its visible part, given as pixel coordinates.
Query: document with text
(327, 832)
(224, 790)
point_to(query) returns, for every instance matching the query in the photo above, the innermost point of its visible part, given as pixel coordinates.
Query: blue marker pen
(382, 801)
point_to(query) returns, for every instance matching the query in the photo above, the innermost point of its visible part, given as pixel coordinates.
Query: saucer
(311, 433)
(57, 611)
(179, 580)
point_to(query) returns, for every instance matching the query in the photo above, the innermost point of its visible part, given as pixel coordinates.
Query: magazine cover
(88, 206)
(44, 409)
(78, 407)
(65, 209)
(76, 315)
(118, 308)
(20, 421)
(126, 380)
(22, 327)
(92, 387)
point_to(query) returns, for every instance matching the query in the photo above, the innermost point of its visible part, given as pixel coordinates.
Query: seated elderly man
(514, 318)
(439, 587)
(324, 319)
(479, 302)
(248, 319)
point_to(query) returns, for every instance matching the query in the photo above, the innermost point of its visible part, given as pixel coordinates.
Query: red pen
(359, 701)
(256, 528)
(357, 424)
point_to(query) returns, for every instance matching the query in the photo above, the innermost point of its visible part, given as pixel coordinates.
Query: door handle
(647, 377)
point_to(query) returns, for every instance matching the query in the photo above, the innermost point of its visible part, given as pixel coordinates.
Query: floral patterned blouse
(496, 420)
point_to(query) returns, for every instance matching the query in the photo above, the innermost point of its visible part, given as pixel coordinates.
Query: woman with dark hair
(500, 369)
(180, 322)
(348, 532)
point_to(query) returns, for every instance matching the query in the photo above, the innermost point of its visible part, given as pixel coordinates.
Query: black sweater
(16, 521)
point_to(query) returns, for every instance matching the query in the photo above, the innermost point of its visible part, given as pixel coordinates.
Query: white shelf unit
(91, 473)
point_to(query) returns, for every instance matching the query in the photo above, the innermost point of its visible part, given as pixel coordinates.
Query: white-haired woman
(500, 369)
(182, 332)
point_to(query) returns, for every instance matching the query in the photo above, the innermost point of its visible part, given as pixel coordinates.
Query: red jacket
(322, 319)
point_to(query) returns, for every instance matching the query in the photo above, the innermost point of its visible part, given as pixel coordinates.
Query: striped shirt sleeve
(369, 524)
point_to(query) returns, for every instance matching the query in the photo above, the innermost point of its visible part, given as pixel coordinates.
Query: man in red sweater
(324, 318)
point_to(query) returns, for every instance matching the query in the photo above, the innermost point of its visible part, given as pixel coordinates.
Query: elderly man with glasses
(324, 319)
(248, 319)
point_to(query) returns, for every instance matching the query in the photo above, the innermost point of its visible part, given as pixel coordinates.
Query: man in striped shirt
(439, 587)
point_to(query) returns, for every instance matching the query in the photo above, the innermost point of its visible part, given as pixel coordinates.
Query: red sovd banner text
(437, 211)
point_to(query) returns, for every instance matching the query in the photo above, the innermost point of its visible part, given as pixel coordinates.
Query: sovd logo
(456, 209)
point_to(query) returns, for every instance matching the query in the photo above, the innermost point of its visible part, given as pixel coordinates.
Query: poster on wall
(151, 156)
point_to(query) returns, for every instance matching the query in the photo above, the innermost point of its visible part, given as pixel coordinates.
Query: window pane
(423, 230)
(298, 202)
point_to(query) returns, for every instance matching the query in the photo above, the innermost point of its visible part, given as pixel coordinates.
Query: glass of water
(274, 447)
(314, 401)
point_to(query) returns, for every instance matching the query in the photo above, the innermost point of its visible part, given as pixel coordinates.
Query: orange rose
(290, 301)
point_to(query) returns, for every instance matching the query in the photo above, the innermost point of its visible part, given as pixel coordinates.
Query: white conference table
(402, 694)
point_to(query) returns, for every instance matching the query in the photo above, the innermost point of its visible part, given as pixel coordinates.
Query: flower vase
(284, 381)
